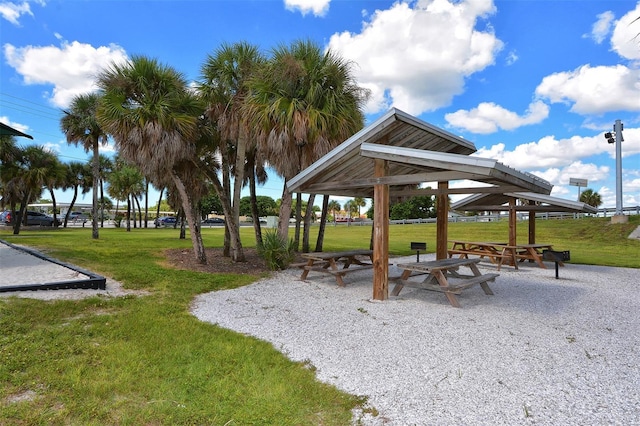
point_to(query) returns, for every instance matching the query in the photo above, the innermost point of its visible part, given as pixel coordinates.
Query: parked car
(78, 217)
(165, 221)
(213, 221)
(33, 218)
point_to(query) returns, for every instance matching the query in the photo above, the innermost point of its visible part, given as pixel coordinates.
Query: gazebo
(531, 202)
(392, 157)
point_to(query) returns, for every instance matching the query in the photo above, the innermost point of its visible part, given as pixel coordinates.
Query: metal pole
(617, 127)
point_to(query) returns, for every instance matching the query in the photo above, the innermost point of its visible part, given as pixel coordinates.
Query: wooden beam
(442, 221)
(468, 190)
(381, 233)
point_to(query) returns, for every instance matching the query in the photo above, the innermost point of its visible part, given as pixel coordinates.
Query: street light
(618, 217)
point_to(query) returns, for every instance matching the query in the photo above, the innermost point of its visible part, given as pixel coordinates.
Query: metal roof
(417, 152)
(8, 130)
(497, 202)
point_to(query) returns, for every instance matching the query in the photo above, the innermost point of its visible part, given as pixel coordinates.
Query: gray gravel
(540, 351)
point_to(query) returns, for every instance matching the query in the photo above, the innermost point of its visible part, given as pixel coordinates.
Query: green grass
(147, 360)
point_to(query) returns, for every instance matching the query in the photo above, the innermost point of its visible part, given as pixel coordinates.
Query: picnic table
(439, 273)
(495, 252)
(327, 262)
(501, 253)
(533, 253)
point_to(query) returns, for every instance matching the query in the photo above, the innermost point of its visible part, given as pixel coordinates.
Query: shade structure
(529, 202)
(392, 157)
(8, 130)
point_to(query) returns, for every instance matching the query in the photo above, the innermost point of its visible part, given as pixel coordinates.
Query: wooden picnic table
(327, 262)
(439, 273)
(533, 253)
(495, 252)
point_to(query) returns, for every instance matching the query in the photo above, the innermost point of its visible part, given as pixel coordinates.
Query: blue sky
(534, 84)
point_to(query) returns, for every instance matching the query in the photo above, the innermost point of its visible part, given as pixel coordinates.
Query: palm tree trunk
(285, 212)
(128, 213)
(55, 208)
(73, 202)
(146, 204)
(102, 203)
(254, 208)
(307, 223)
(323, 223)
(158, 207)
(21, 214)
(194, 225)
(228, 211)
(96, 181)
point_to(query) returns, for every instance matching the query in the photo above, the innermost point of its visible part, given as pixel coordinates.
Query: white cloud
(488, 117)
(625, 40)
(602, 27)
(416, 56)
(71, 68)
(317, 7)
(12, 12)
(547, 152)
(594, 90)
(512, 57)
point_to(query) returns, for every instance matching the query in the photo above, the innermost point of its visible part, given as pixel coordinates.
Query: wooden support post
(512, 221)
(532, 224)
(381, 233)
(442, 220)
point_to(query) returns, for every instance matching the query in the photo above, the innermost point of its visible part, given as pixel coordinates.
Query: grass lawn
(147, 360)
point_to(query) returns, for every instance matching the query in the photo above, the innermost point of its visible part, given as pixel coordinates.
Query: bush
(276, 251)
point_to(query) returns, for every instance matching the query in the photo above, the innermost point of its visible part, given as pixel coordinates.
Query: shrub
(276, 251)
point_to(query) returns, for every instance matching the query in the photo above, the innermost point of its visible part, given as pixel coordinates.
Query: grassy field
(147, 360)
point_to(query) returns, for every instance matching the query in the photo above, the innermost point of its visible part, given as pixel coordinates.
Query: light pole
(619, 216)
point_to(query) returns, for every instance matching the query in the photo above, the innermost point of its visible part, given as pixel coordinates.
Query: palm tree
(106, 165)
(126, 183)
(80, 125)
(35, 165)
(303, 103)
(54, 180)
(11, 159)
(334, 207)
(359, 202)
(590, 197)
(226, 74)
(153, 117)
(79, 176)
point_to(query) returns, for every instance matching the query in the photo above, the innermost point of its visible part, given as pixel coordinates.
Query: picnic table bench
(533, 253)
(439, 273)
(327, 262)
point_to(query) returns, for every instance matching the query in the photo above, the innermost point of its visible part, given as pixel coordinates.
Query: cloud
(317, 7)
(594, 90)
(625, 40)
(12, 12)
(601, 27)
(416, 56)
(488, 117)
(71, 68)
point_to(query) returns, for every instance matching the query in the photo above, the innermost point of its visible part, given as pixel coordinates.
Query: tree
(334, 207)
(590, 197)
(79, 176)
(303, 103)
(154, 119)
(11, 186)
(266, 206)
(224, 87)
(359, 202)
(80, 125)
(126, 183)
(36, 164)
(106, 165)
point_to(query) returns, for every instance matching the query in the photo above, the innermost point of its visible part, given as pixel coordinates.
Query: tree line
(248, 112)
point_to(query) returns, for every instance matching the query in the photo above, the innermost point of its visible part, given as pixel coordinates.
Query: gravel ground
(541, 351)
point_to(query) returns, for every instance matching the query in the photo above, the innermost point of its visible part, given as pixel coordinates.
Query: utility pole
(619, 216)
